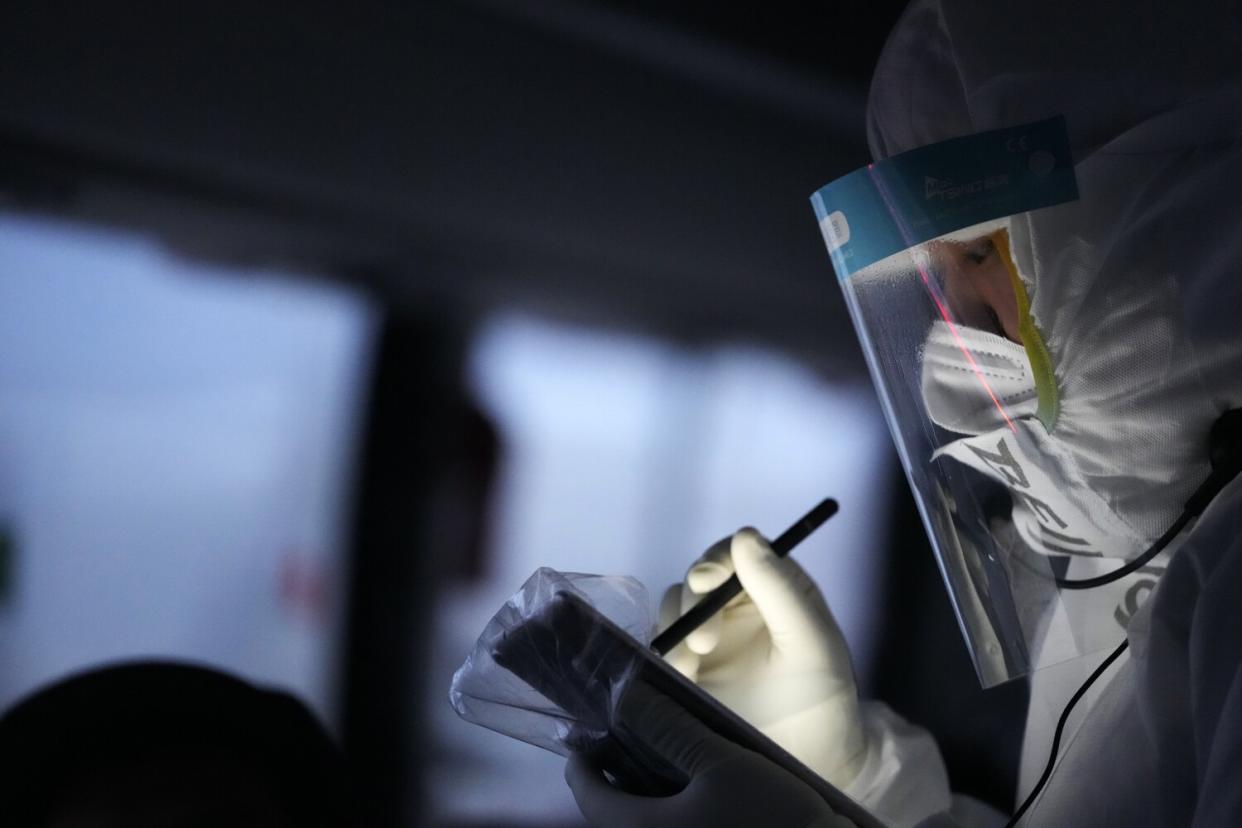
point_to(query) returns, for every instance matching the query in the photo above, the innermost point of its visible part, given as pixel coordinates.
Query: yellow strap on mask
(1049, 407)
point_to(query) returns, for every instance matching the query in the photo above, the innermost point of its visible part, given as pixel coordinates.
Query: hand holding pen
(714, 601)
(777, 657)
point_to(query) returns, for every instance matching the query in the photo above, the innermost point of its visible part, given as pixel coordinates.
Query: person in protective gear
(1054, 342)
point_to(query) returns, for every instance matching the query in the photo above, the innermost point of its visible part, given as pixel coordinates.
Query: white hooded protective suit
(1152, 95)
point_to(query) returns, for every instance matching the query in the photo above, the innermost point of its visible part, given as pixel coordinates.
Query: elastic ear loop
(1049, 407)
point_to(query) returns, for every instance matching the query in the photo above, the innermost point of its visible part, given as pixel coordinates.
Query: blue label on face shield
(891, 205)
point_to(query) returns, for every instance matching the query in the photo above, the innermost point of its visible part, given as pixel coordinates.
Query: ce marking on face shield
(1018, 144)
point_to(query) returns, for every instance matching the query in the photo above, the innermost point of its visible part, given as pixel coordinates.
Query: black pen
(715, 600)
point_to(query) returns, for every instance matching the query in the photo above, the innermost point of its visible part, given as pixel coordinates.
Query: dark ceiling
(830, 39)
(632, 163)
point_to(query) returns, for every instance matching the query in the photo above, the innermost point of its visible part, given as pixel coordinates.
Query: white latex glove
(729, 785)
(774, 655)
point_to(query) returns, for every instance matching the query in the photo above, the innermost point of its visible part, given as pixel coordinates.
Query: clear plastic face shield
(933, 251)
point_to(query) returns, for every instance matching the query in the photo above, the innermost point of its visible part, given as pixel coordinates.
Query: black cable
(1056, 736)
(1225, 453)
(1198, 501)
(1134, 565)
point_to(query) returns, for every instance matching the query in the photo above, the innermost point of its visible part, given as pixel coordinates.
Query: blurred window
(175, 448)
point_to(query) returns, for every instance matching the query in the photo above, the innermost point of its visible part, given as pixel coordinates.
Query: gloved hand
(729, 785)
(774, 655)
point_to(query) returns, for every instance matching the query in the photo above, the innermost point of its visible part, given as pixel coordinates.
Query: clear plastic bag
(534, 677)
(565, 665)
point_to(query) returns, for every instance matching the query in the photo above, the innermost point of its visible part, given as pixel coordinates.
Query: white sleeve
(904, 782)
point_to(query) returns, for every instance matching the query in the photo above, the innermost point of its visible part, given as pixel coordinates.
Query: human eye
(980, 251)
